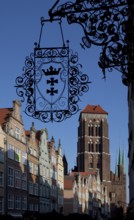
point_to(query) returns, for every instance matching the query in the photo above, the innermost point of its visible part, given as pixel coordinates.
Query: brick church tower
(93, 142)
(93, 154)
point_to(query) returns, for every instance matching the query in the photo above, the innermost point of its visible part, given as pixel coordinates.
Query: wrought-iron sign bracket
(105, 24)
(52, 82)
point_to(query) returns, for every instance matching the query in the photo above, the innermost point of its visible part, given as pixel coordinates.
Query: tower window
(90, 131)
(97, 144)
(90, 145)
(97, 130)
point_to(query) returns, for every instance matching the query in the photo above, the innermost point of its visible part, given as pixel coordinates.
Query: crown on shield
(51, 71)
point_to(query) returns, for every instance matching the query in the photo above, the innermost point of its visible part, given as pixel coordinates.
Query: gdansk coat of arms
(51, 84)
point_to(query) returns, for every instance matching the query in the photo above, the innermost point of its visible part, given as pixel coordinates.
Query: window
(30, 188)
(17, 155)
(47, 191)
(17, 178)
(31, 207)
(97, 130)
(24, 158)
(24, 181)
(10, 201)
(10, 176)
(10, 151)
(24, 203)
(36, 169)
(30, 167)
(17, 202)
(90, 130)
(36, 189)
(97, 146)
(90, 146)
(1, 179)
(1, 155)
(41, 190)
(17, 133)
(1, 205)
(33, 152)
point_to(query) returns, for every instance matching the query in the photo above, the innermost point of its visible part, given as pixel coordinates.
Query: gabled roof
(94, 109)
(4, 114)
(27, 133)
(37, 136)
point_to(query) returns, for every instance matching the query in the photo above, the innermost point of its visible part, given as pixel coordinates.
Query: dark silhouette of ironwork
(105, 24)
(52, 82)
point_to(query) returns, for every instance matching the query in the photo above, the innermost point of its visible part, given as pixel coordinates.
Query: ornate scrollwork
(104, 24)
(52, 84)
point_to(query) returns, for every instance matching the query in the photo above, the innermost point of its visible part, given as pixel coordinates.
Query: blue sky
(19, 30)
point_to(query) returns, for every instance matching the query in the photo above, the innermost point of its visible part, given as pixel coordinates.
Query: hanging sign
(52, 83)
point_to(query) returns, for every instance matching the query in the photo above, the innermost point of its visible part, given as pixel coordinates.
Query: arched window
(97, 146)
(90, 130)
(90, 147)
(97, 130)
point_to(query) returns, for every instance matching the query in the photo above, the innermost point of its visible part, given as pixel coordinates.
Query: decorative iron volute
(52, 83)
(104, 24)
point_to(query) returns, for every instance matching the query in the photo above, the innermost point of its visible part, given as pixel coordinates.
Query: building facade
(93, 142)
(44, 172)
(93, 154)
(32, 176)
(60, 179)
(31, 167)
(16, 170)
(85, 194)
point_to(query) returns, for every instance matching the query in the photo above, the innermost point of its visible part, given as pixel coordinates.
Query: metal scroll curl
(52, 84)
(104, 24)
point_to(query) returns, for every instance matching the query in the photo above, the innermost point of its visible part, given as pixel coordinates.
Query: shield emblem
(51, 86)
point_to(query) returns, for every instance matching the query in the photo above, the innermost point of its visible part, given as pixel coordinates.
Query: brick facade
(93, 154)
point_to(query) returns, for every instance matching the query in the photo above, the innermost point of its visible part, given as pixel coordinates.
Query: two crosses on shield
(51, 72)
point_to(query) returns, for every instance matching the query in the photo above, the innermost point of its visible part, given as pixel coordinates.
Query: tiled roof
(83, 174)
(94, 109)
(28, 132)
(4, 113)
(68, 182)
